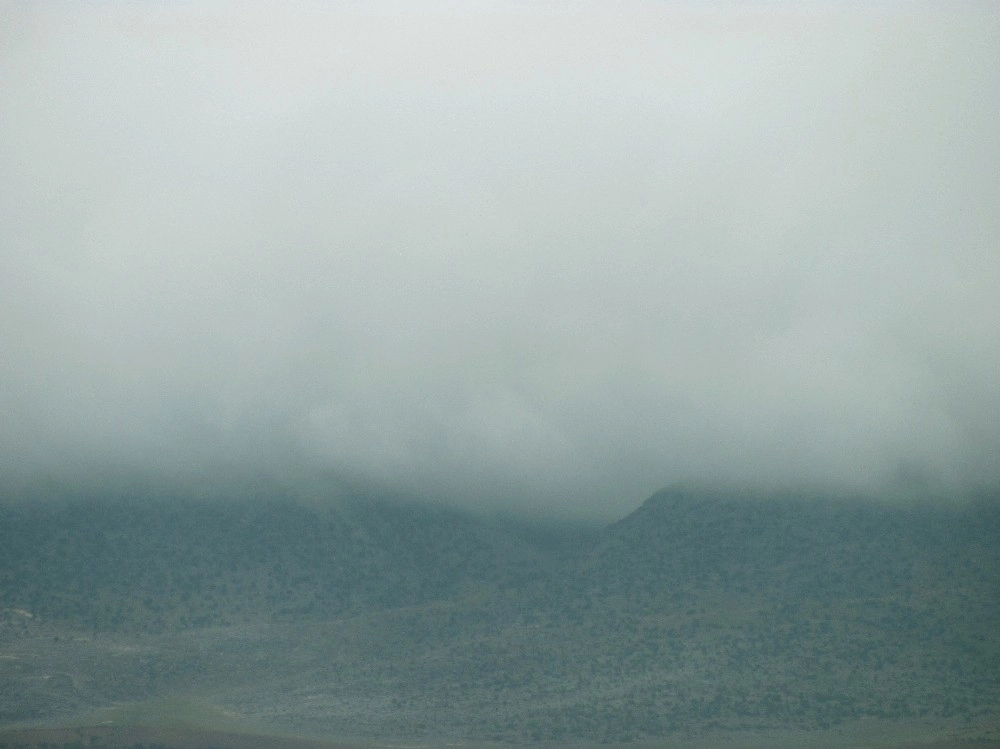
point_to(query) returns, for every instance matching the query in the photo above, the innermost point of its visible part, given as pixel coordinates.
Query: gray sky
(556, 254)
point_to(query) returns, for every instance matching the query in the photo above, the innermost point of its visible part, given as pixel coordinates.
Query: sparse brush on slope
(700, 611)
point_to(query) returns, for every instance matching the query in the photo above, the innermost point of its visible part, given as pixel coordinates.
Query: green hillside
(699, 614)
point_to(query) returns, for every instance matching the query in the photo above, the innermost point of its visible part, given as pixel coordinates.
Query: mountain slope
(798, 548)
(700, 611)
(160, 566)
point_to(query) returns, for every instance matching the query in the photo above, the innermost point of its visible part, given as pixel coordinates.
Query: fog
(552, 255)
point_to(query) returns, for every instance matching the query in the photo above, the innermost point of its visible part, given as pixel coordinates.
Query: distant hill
(128, 565)
(799, 548)
(700, 612)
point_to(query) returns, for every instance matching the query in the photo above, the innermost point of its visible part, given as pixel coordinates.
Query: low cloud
(538, 257)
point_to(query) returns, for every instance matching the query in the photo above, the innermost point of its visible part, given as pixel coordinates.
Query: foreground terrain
(701, 619)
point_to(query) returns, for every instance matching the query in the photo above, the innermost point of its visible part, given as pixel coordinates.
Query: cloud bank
(552, 254)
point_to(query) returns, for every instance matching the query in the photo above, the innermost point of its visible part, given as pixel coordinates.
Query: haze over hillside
(698, 614)
(340, 343)
(507, 254)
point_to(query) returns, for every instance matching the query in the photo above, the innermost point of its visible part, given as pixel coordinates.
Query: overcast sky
(557, 254)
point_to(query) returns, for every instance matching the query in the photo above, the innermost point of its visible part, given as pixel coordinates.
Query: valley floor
(858, 735)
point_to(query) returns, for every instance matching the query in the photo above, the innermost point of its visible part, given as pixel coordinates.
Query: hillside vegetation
(700, 613)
